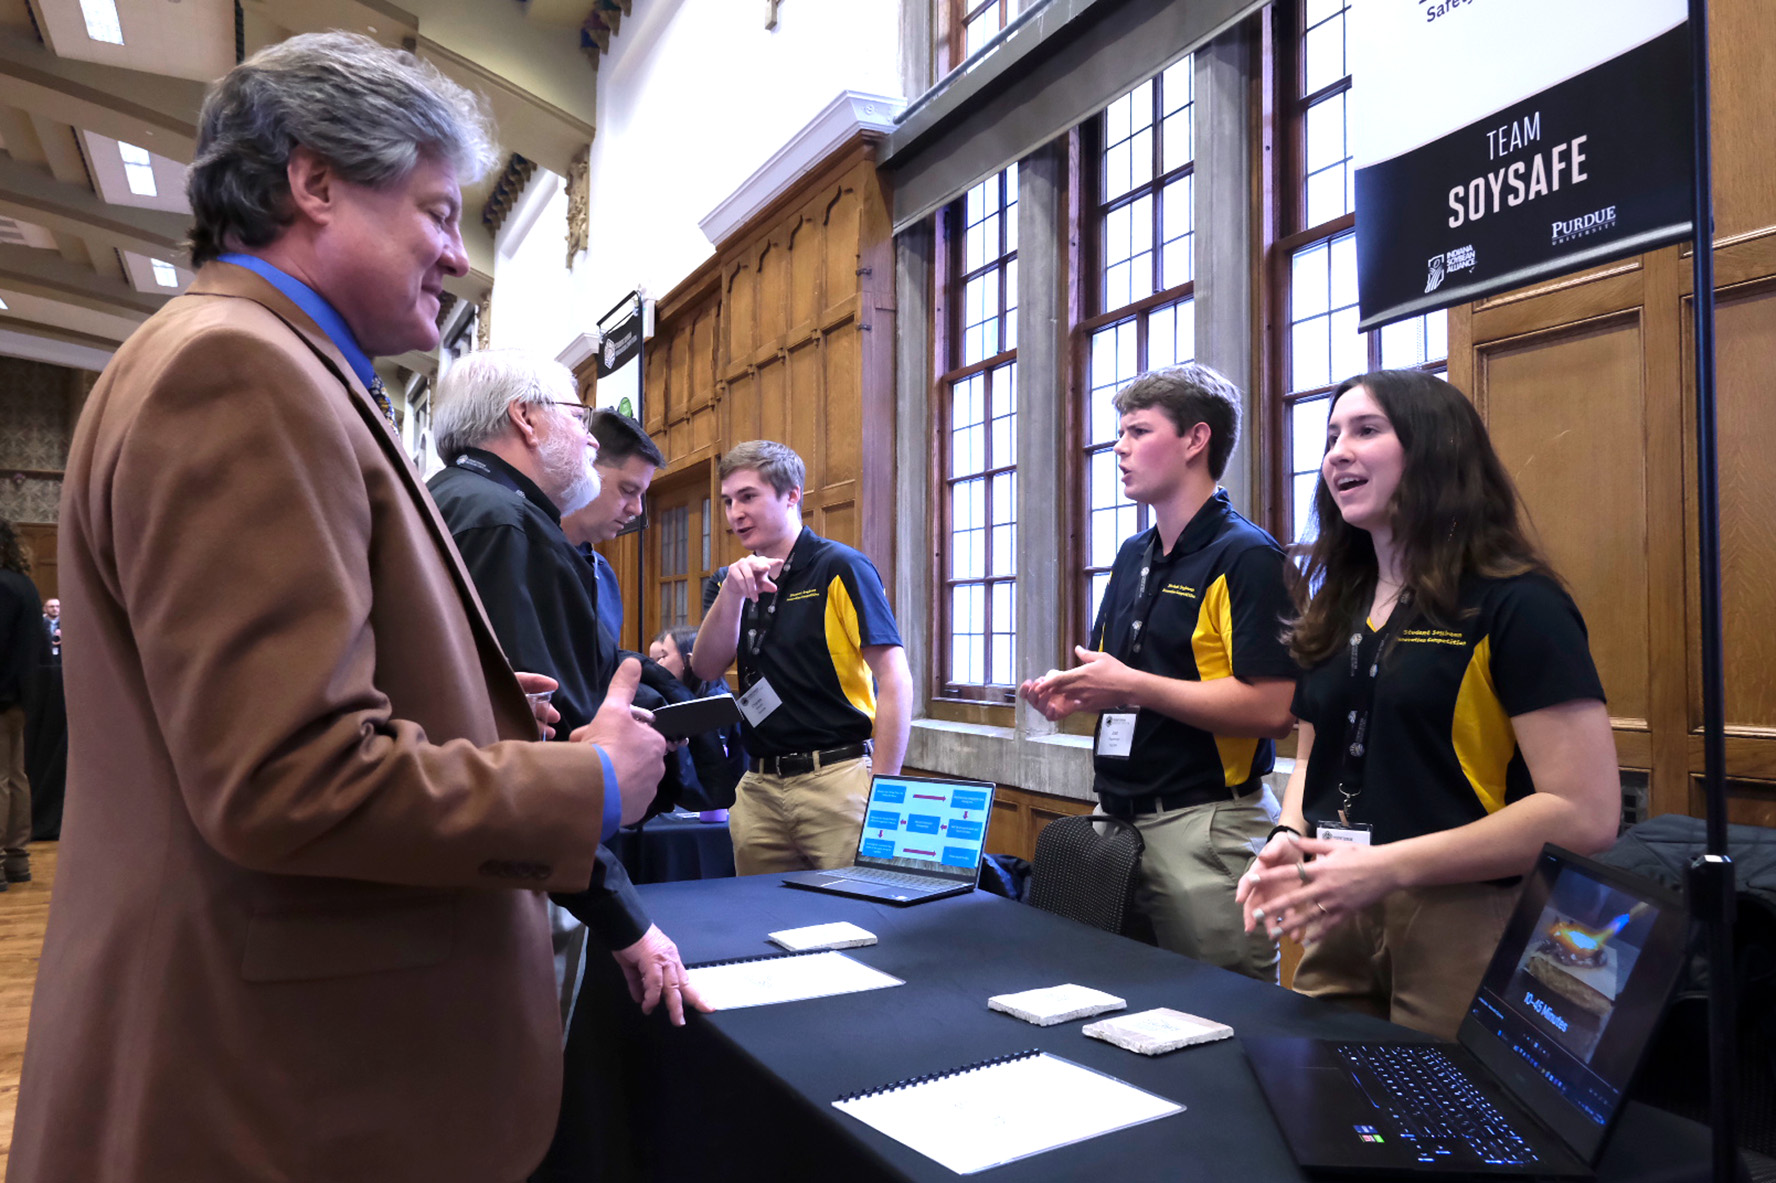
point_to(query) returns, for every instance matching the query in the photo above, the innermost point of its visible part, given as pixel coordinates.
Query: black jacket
(23, 644)
(542, 600)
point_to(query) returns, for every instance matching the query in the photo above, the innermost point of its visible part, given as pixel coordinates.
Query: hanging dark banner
(621, 329)
(1591, 166)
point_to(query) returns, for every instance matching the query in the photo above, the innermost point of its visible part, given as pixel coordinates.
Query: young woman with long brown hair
(1452, 720)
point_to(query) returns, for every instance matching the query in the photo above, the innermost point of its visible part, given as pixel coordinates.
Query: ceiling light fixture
(138, 170)
(102, 23)
(164, 275)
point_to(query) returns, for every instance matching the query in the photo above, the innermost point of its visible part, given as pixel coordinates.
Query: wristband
(1275, 830)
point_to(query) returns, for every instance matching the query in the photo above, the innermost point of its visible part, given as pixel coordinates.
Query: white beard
(569, 464)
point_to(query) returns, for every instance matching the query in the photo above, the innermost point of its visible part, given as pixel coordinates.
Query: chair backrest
(1085, 869)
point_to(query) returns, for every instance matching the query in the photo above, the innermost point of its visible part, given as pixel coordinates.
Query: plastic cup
(537, 698)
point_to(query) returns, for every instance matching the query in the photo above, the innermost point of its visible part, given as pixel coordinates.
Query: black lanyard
(1362, 704)
(1145, 599)
(757, 630)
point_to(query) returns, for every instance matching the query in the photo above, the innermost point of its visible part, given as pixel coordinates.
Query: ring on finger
(1301, 870)
(1322, 908)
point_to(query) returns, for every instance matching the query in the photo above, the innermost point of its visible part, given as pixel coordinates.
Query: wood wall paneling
(1566, 411)
(1745, 327)
(763, 343)
(1743, 111)
(38, 541)
(1587, 385)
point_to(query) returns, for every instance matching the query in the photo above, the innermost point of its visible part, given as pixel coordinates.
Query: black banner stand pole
(1711, 889)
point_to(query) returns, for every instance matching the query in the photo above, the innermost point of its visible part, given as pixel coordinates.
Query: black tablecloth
(747, 1094)
(672, 849)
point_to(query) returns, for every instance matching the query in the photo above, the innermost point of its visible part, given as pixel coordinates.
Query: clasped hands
(1304, 900)
(1098, 684)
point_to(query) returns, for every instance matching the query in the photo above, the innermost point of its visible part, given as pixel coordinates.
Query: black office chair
(1085, 869)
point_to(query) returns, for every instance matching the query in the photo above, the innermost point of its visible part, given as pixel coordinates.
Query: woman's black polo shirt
(1441, 751)
(830, 606)
(1217, 610)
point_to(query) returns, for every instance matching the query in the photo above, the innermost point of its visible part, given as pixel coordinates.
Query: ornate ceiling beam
(158, 112)
(36, 272)
(29, 195)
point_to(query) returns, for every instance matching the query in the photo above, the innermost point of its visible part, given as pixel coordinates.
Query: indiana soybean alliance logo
(1591, 223)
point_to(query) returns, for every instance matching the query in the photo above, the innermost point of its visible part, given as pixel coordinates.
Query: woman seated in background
(1452, 720)
(721, 762)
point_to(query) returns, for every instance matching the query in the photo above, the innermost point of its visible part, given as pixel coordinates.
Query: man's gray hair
(368, 110)
(470, 406)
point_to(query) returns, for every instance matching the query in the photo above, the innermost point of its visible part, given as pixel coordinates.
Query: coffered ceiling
(95, 135)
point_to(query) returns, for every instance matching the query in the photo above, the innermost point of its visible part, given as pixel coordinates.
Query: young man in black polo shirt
(1188, 667)
(823, 677)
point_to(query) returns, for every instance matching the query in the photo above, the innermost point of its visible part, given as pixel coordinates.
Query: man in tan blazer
(298, 930)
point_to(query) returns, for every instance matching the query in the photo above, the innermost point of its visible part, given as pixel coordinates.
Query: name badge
(1116, 734)
(1356, 833)
(757, 704)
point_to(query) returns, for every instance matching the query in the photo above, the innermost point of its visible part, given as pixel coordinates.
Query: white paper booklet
(1055, 1004)
(999, 1111)
(784, 977)
(1153, 1032)
(840, 934)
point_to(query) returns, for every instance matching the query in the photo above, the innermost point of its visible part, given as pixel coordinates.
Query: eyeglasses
(581, 413)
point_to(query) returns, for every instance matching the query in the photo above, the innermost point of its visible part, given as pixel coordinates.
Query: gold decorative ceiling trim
(601, 24)
(506, 192)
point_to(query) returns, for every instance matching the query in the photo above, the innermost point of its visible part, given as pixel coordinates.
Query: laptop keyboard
(887, 878)
(1436, 1105)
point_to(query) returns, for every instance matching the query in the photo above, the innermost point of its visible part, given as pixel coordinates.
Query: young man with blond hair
(825, 693)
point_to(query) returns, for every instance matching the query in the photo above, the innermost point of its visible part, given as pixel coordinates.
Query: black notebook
(1000, 1110)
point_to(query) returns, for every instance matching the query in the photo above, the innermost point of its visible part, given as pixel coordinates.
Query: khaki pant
(1415, 958)
(799, 823)
(1189, 872)
(15, 790)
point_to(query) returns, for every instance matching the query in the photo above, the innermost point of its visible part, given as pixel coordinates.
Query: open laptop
(1542, 1062)
(922, 840)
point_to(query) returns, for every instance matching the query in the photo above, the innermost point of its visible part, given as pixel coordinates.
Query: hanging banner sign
(1498, 142)
(622, 331)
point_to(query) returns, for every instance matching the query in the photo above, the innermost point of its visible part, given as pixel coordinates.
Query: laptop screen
(935, 826)
(1575, 992)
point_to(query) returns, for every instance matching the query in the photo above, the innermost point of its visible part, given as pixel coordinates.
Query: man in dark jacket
(23, 648)
(517, 454)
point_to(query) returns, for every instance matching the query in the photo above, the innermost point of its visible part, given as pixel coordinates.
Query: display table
(747, 1094)
(670, 849)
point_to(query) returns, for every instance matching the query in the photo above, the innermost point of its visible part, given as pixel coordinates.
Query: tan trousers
(15, 790)
(1415, 958)
(799, 823)
(1189, 872)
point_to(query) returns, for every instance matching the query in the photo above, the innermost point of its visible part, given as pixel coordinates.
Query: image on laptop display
(1573, 1006)
(1542, 1063)
(922, 839)
(925, 826)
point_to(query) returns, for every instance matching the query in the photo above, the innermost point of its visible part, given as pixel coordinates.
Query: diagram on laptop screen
(925, 824)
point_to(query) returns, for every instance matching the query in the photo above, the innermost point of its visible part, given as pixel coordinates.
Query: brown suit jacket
(297, 931)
